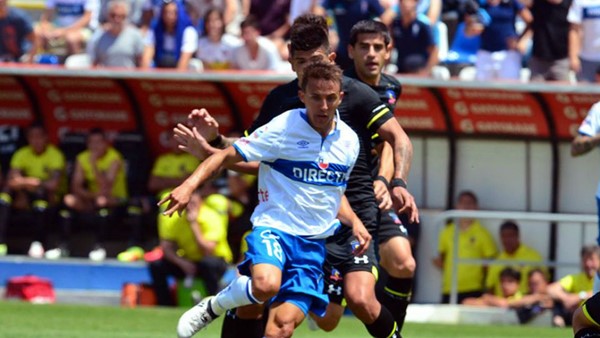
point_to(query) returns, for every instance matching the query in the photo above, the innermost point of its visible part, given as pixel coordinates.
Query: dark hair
(589, 250)
(509, 225)
(36, 125)
(369, 27)
(468, 193)
(250, 21)
(321, 71)
(309, 32)
(536, 270)
(510, 273)
(97, 131)
(208, 13)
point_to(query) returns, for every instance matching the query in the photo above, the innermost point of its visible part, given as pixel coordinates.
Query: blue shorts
(300, 261)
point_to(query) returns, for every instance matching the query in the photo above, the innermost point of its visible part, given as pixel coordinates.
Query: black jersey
(363, 111)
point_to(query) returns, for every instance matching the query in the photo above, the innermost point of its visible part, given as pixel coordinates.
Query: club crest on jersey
(335, 276)
(391, 96)
(323, 165)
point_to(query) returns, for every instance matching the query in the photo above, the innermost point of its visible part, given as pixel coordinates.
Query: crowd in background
(551, 40)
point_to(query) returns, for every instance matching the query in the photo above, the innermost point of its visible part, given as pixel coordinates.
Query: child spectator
(215, 49)
(509, 281)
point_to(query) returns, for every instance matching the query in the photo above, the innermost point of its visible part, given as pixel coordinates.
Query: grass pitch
(24, 320)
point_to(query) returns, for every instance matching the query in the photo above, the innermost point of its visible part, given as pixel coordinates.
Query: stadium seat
(78, 61)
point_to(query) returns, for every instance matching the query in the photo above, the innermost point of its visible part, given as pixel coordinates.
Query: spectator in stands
(272, 19)
(465, 42)
(117, 43)
(474, 242)
(570, 291)
(509, 280)
(414, 42)
(16, 31)
(536, 300)
(550, 53)
(98, 187)
(135, 11)
(34, 184)
(584, 40)
(513, 250)
(198, 10)
(499, 56)
(257, 52)
(66, 22)
(172, 41)
(243, 198)
(527, 306)
(150, 13)
(215, 49)
(194, 245)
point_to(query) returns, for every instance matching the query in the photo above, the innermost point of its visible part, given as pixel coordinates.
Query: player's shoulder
(389, 80)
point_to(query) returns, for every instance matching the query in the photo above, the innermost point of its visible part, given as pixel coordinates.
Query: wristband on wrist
(398, 182)
(217, 141)
(382, 179)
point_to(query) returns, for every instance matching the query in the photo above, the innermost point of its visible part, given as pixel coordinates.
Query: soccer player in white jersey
(306, 156)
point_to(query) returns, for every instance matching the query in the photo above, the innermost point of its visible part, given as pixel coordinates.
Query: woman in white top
(172, 40)
(216, 47)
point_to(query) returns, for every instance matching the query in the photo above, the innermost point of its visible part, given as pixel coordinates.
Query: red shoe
(153, 255)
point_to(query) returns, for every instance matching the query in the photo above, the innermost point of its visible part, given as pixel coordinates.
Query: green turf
(25, 320)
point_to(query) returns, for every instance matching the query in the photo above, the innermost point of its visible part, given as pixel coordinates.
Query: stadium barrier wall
(508, 142)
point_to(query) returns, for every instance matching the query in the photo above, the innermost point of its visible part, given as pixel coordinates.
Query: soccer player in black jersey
(363, 111)
(370, 48)
(586, 319)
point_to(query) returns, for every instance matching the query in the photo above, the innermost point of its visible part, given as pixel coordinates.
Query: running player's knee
(363, 302)
(329, 323)
(264, 287)
(282, 326)
(400, 267)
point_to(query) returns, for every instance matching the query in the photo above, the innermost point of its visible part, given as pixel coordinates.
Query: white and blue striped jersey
(302, 175)
(591, 125)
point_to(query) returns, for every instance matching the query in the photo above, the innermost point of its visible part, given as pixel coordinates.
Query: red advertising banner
(248, 97)
(77, 104)
(419, 111)
(568, 110)
(490, 112)
(164, 103)
(15, 108)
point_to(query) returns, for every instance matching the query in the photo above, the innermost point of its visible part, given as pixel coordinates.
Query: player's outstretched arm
(192, 142)
(180, 196)
(347, 216)
(208, 127)
(582, 144)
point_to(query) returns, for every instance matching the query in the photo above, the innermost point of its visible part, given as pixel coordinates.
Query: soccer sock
(236, 294)
(588, 332)
(395, 296)
(235, 327)
(384, 326)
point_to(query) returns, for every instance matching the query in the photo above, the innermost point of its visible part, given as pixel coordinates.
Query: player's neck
(371, 81)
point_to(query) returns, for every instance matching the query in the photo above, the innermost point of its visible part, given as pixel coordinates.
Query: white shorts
(501, 65)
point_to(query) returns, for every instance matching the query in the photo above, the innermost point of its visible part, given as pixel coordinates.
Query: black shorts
(591, 308)
(340, 260)
(390, 226)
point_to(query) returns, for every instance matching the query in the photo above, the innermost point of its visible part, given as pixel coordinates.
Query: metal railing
(454, 215)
